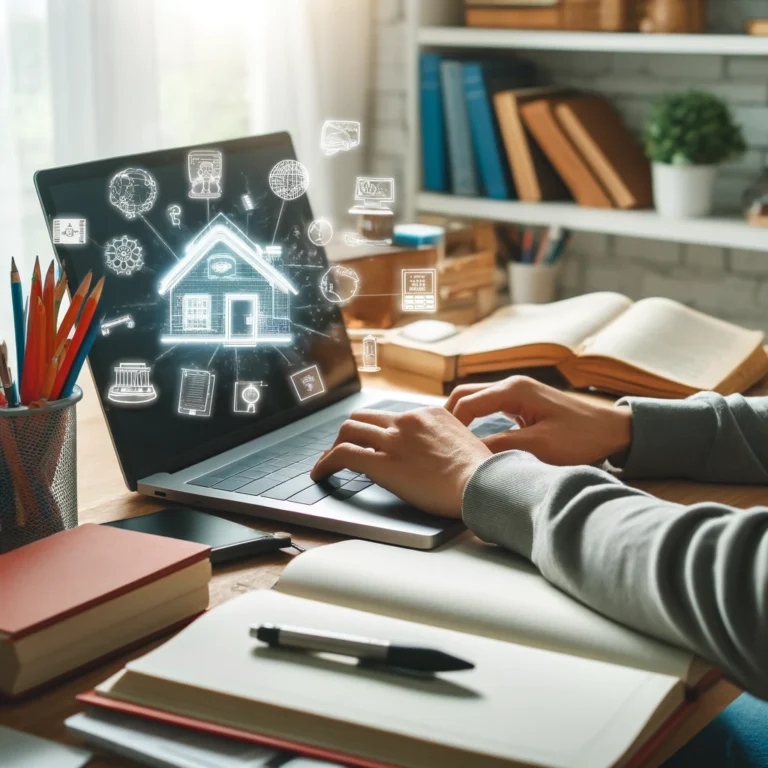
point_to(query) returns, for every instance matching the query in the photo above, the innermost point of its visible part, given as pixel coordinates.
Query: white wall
(729, 283)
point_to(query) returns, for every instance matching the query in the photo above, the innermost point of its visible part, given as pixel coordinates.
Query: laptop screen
(214, 325)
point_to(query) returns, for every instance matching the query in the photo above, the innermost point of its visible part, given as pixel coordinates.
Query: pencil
(527, 246)
(30, 359)
(50, 377)
(71, 313)
(82, 329)
(17, 300)
(6, 378)
(543, 245)
(58, 295)
(82, 354)
(50, 325)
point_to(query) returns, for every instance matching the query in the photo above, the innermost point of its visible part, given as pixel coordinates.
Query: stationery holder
(533, 283)
(38, 471)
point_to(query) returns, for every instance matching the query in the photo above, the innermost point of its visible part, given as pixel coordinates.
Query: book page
(677, 343)
(506, 708)
(566, 323)
(473, 587)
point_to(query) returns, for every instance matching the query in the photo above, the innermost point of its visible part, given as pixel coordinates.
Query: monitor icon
(372, 194)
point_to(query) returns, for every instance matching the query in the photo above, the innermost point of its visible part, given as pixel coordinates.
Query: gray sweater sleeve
(694, 576)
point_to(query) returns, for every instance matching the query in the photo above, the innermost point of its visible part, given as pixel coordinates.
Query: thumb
(525, 439)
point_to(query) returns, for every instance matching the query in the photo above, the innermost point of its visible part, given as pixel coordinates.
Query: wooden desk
(104, 497)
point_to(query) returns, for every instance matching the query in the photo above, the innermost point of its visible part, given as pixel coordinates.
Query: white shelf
(719, 232)
(626, 42)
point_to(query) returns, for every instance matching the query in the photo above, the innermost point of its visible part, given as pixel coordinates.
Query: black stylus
(404, 657)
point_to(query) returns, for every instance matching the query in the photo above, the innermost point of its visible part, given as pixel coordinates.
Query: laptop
(222, 362)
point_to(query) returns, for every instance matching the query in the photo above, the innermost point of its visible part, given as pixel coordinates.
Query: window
(196, 312)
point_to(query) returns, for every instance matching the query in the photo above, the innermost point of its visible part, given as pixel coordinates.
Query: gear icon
(124, 256)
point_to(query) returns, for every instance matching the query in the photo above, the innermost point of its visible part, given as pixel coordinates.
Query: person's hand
(556, 427)
(425, 457)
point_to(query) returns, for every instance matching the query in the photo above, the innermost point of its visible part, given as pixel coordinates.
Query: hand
(556, 427)
(425, 457)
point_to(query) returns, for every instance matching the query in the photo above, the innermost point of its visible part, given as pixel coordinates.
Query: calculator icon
(419, 290)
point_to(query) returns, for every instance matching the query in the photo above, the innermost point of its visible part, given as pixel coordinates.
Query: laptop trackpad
(379, 501)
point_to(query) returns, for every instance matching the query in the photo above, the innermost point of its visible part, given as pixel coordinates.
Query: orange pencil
(42, 362)
(74, 308)
(82, 328)
(58, 295)
(50, 377)
(50, 326)
(31, 360)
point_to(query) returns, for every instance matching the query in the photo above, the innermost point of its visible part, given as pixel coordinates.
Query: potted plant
(686, 137)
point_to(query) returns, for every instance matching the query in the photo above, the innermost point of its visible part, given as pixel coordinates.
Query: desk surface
(104, 497)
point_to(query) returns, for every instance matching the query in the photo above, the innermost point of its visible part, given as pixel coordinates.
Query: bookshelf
(436, 24)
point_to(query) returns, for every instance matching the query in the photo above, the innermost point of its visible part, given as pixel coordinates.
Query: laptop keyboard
(282, 471)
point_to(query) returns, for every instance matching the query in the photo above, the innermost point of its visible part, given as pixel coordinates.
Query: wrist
(619, 435)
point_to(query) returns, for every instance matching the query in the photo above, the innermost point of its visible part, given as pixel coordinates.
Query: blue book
(433, 149)
(485, 137)
(460, 152)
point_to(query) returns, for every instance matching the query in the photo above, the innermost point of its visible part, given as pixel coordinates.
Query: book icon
(196, 392)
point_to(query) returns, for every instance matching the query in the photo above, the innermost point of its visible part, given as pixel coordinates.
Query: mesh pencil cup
(38, 471)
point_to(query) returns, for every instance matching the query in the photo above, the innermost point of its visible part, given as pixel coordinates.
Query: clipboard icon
(196, 392)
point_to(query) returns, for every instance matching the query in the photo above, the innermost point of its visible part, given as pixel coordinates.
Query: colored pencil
(31, 361)
(71, 313)
(543, 247)
(6, 378)
(50, 377)
(50, 325)
(82, 329)
(527, 246)
(82, 354)
(58, 295)
(17, 299)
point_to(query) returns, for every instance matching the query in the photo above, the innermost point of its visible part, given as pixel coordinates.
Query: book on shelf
(583, 691)
(532, 17)
(654, 347)
(535, 177)
(541, 118)
(513, 3)
(463, 173)
(613, 154)
(434, 152)
(757, 27)
(86, 593)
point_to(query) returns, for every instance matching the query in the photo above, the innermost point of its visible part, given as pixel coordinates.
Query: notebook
(79, 595)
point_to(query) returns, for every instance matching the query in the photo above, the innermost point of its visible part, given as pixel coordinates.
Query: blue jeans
(736, 738)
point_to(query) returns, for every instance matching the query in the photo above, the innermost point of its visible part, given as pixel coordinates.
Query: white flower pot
(684, 191)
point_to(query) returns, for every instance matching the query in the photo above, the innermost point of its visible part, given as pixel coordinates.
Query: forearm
(693, 576)
(707, 437)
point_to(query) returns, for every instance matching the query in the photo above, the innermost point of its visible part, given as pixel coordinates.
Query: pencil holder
(38, 471)
(533, 283)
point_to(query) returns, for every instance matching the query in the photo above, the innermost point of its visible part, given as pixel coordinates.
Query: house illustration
(227, 290)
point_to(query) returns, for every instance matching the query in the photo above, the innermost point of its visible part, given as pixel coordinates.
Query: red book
(84, 593)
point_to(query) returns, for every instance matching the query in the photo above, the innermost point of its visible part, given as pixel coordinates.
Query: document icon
(69, 231)
(196, 392)
(308, 383)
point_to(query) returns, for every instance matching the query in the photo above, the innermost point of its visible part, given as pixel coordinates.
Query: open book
(555, 684)
(654, 347)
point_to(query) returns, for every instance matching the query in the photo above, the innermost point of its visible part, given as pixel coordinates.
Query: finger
(527, 439)
(509, 397)
(462, 391)
(364, 435)
(382, 419)
(346, 456)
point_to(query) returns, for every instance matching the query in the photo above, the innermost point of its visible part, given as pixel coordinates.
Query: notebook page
(472, 587)
(507, 707)
(566, 323)
(672, 341)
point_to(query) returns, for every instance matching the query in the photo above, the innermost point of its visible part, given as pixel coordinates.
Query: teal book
(461, 154)
(434, 153)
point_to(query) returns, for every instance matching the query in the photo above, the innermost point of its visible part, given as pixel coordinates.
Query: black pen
(406, 657)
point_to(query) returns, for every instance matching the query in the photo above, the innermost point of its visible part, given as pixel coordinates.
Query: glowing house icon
(227, 290)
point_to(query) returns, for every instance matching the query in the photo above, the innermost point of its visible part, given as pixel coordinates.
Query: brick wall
(729, 283)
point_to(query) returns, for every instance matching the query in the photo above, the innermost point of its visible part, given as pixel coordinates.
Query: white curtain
(86, 79)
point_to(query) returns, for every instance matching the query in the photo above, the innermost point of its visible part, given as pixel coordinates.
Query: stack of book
(489, 130)
(586, 15)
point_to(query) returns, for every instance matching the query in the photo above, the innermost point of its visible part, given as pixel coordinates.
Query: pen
(398, 656)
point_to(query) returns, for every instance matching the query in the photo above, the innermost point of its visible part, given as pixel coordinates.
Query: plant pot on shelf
(684, 191)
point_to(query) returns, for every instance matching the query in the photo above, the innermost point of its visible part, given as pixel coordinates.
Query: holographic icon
(132, 385)
(354, 240)
(124, 256)
(320, 232)
(419, 290)
(340, 284)
(116, 322)
(227, 290)
(247, 394)
(247, 202)
(132, 191)
(204, 167)
(374, 194)
(174, 214)
(289, 179)
(339, 136)
(196, 392)
(70, 231)
(308, 383)
(370, 355)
